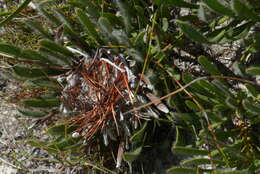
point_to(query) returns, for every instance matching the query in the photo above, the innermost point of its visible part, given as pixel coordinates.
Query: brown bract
(98, 91)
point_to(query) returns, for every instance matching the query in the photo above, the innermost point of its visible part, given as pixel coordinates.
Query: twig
(187, 85)
(31, 62)
(8, 163)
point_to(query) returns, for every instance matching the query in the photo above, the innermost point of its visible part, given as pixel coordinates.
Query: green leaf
(236, 33)
(165, 24)
(251, 107)
(218, 7)
(90, 27)
(201, 161)
(92, 10)
(216, 36)
(231, 102)
(32, 113)
(65, 145)
(34, 72)
(105, 25)
(189, 150)
(76, 39)
(187, 78)
(191, 32)
(34, 55)
(253, 70)
(47, 15)
(56, 47)
(62, 18)
(208, 66)
(38, 27)
(124, 10)
(242, 10)
(10, 50)
(179, 137)
(138, 136)
(113, 19)
(231, 171)
(251, 90)
(209, 86)
(131, 156)
(15, 13)
(180, 170)
(45, 83)
(37, 143)
(191, 105)
(56, 57)
(181, 3)
(61, 129)
(42, 103)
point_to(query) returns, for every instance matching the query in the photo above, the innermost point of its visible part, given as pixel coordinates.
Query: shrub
(129, 78)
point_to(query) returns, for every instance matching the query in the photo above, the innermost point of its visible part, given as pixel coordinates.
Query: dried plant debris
(96, 94)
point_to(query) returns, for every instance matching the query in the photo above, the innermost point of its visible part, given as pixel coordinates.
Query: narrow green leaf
(105, 25)
(253, 70)
(34, 55)
(91, 9)
(181, 3)
(67, 144)
(251, 90)
(231, 102)
(191, 32)
(90, 27)
(222, 86)
(15, 13)
(208, 66)
(61, 129)
(218, 7)
(242, 31)
(107, 29)
(76, 39)
(38, 27)
(216, 36)
(218, 93)
(31, 113)
(231, 171)
(191, 105)
(48, 16)
(131, 156)
(36, 143)
(56, 57)
(34, 72)
(10, 50)
(201, 161)
(189, 150)
(180, 170)
(179, 137)
(251, 107)
(45, 83)
(242, 10)
(165, 24)
(123, 7)
(62, 18)
(202, 15)
(113, 19)
(137, 137)
(56, 47)
(41, 103)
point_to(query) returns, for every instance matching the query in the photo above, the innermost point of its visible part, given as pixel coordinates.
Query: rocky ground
(16, 157)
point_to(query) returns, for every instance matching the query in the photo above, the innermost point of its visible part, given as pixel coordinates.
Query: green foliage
(216, 122)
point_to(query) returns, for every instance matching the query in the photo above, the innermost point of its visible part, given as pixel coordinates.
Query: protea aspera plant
(85, 85)
(99, 61)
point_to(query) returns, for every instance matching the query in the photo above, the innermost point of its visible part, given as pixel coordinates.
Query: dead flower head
(98, 92)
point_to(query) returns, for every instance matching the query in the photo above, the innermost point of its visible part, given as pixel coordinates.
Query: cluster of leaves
(208, 104)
